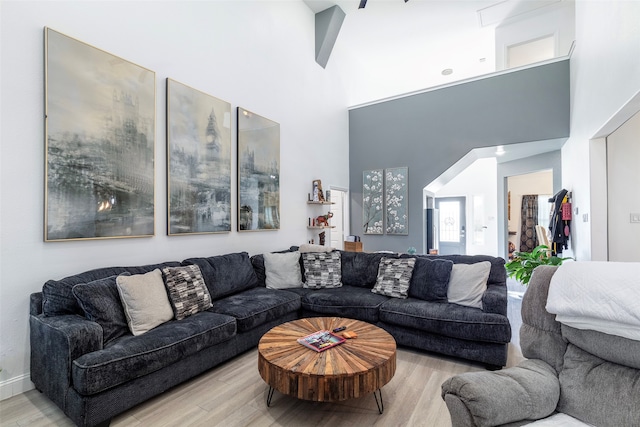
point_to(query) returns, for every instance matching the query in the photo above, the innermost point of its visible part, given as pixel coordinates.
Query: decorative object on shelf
(411, 251)
(198, 161)
(321, 237)
(318, 196)
(323, 220)
(396, 200)
(100, 139)
(258, 172)
(372, 201)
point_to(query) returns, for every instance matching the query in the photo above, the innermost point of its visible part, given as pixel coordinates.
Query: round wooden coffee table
(356, 368)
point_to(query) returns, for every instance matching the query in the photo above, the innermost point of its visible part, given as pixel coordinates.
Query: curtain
(529, 220)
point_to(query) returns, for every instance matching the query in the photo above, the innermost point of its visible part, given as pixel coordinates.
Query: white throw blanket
(601, 296)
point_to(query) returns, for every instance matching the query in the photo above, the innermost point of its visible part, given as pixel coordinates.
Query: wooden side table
(356, 368)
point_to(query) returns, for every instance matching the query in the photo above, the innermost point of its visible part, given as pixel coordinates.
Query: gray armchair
(588, 375)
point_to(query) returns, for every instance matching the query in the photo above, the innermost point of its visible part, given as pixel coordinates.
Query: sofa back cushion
(57, 295)
(257, 261)
(361, 268)
(497, 274)
(226, 274)
(430, 279)
(101, 304)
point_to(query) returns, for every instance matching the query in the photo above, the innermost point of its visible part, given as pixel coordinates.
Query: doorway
(338, 198)
(452, 237)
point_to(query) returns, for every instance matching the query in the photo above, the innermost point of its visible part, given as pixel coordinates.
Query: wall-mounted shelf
(311, 202)
(320, 226)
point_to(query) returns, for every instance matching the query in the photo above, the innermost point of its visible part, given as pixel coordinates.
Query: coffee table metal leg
(380, 404)
(269, 396)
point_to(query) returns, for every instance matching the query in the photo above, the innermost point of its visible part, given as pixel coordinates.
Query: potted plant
(523, 263)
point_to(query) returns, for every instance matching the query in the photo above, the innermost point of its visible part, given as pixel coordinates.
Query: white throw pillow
(145, 301)
(307, 247)
(468, 283)
(283, 270)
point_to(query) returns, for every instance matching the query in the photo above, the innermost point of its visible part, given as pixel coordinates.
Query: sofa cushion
(145, 301)
(257, 306)
(348, 301)
(130, 357)
(101, 304)
(360, 268)
(430, 279)
(57, 295)
(257, 261)
(226, 274)
(467, 283)
(187, 292)
(451, 320)
(282, 271)
(322, 270)
(497, 275)
(394, 276)
(598, 392)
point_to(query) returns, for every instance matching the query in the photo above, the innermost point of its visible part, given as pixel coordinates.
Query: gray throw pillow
(187, 292)
(322, 270)
(430, 279)
(282, 270)
(101, 304)
(394, 276)
(145, 301)
(468, 283)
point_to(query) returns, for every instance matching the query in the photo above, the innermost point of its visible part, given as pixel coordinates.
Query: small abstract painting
(372, 201)
(396, 200)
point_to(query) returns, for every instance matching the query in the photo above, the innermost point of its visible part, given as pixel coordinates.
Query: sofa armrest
(529, 391)
(56, 342)
(494, 299)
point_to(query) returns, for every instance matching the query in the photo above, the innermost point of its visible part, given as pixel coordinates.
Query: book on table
(321, 340)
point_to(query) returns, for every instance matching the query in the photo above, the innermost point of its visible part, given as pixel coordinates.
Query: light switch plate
(635, 217)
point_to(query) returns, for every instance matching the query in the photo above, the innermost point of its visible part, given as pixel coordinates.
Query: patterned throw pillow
(322, 270)
(394, 277)
(187, 291)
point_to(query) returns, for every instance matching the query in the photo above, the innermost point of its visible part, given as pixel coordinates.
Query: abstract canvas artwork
(258, 172)
(199, 161)
(396, 200)
(372, 201)
(100, 138)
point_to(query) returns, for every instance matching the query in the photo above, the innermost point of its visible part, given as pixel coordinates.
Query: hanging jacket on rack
(558, 226)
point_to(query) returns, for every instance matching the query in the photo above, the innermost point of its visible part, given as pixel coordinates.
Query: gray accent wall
(431, 131)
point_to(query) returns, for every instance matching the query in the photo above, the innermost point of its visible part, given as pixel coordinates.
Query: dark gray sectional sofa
(92, 380)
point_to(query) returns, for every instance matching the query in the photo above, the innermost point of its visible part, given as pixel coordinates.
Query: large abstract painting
(199, 161)
(396, 200)
(372, 201)
(100, 138)
(258, 172)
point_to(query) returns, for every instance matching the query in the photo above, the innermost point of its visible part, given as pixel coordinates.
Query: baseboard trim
(15, 386)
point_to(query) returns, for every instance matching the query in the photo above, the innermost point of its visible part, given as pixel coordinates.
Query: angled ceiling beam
(328, 24)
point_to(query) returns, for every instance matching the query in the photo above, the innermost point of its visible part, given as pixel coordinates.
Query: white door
(338, 198)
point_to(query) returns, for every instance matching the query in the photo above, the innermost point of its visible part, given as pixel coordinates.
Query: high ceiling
(394, 47)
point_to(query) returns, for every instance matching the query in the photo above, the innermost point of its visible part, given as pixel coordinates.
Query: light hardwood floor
(234, 394)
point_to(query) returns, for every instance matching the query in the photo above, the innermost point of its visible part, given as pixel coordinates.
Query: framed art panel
(258, 172)
(396, 200)
(372, 201)
(198, 161)
(100, 138)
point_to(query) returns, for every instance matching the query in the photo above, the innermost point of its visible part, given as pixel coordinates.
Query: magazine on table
(321, 340)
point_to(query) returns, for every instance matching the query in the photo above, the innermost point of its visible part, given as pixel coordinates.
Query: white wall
(254, 54)
(480, 180)
(605, 75)
(623, 158)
